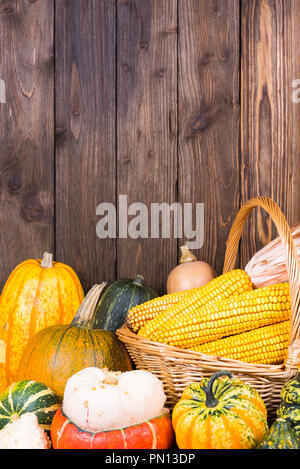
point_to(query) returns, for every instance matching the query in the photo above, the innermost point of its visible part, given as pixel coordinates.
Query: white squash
(97, 400)
(24, 433)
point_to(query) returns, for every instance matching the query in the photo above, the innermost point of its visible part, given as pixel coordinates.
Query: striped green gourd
(290, 413)
(289, 408)
(290, 393)
(118, 299)
(28, 396)
(220, 412)
(281, 436)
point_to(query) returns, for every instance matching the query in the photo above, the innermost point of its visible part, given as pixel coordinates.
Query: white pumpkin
(24, 433)
(97, 400)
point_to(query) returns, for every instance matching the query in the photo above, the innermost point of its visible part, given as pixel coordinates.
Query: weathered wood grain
(147, 127)
(209, 167)
(269, 141)
(26, 132)
(144, 101)
(293, 73)
(85, 134)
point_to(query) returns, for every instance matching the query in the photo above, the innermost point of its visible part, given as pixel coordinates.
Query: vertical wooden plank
(85, 133)
(26, 132)
(293, 115)
(270, 120)
(209, 167)
(147, 127)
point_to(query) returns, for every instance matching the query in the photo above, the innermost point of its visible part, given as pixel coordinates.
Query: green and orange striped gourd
(220, 412)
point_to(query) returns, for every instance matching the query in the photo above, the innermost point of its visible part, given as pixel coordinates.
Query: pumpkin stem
(85, 314)
(186, 255)
(47, 261)
(211, 400)
(139, 280)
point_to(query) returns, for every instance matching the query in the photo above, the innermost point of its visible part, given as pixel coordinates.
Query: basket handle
(291, 260)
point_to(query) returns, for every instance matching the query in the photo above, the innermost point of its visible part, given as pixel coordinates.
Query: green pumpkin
(290, 413)
(118, 299)
(281, 436)
(290, 393)
(28, 396)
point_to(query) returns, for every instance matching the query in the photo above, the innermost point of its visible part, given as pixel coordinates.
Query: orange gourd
(56, 353)
(220, 412)
(156, 433)
(190, 273)
(38, 294)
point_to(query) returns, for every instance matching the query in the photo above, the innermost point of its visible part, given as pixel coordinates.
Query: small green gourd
(281, 436)
(289, 408)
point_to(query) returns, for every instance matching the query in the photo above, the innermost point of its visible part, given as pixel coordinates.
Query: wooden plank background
(185, 101)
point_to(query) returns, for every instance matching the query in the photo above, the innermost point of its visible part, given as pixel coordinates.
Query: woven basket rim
(175, 353)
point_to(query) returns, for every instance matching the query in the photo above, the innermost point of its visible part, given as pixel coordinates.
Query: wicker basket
(177, 368)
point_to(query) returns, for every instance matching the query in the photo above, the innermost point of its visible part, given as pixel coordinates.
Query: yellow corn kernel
(221, 288)
(266, 345)
(235, 315)
(139, 315)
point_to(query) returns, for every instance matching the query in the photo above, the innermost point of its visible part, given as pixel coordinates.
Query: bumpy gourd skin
(233, 417)
(33, 298)
(290, 393)
(290, 413)
(281, 436)
(289, 408)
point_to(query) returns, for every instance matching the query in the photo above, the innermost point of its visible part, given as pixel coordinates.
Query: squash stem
(139, 280)
(85, 315)
(47, 261)
(186, 255)
(211, 400)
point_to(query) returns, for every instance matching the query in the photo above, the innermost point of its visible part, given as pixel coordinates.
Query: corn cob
(266, 345)
(231, 283)
(250, 310)
(139, 315)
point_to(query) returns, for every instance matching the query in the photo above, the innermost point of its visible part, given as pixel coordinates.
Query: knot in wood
(75, 106)
(32, 210)
(7, 7)
(199, 123)
(14, 184)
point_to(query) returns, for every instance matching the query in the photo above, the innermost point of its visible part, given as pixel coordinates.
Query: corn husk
(267, 266)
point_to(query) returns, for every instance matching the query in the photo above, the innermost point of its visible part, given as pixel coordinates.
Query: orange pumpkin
(56, 353)
(37, 294)
(154, 434)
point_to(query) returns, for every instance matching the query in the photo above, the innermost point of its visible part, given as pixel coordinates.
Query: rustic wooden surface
(209, 166)
(161, 100)
(147, 127)
(26, 132)
(269, 118)
(85, 133)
